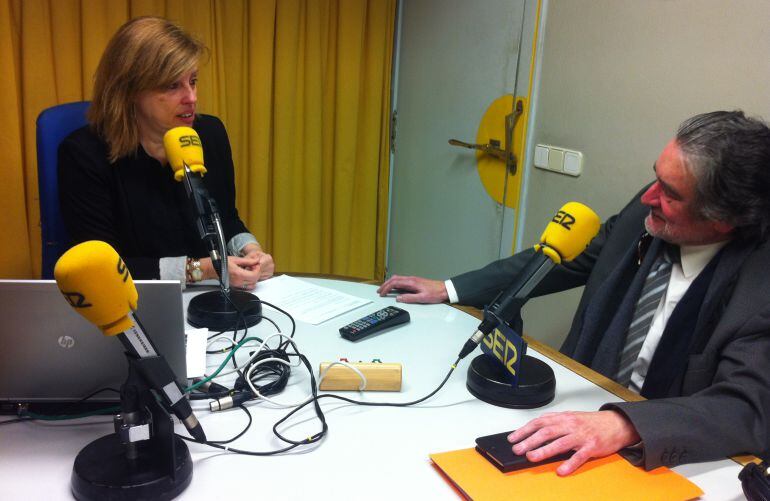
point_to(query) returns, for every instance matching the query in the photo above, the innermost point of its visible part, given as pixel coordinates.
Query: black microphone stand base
(487, 382)
(214, 311)
(102, 471)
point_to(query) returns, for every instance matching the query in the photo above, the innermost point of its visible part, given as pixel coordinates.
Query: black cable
(292, 443)
(317, 397)
(239, 435)
(271, 321)
(240, 320)
(208, 396)
(279, 372)
(229, 348)
(100, 390)
(65, 409)
(238, 451)
(291, 319)
(319, 414)
(16, 420)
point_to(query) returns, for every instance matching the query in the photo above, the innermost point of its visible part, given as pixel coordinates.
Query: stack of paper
(305, 301)
(608, 478)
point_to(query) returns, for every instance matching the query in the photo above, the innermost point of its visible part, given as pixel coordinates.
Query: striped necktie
(654, 288)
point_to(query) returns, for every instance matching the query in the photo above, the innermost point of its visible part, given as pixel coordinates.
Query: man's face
(671, 200)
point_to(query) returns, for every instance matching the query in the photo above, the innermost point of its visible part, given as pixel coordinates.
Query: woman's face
(159, 110)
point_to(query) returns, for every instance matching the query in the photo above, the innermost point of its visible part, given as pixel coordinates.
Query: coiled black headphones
(755, 482)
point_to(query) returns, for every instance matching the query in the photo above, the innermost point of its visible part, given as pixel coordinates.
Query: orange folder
(608, 478)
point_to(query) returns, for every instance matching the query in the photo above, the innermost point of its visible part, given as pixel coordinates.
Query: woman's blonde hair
(146, 53)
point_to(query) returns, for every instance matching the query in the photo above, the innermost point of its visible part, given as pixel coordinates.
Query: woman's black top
(135, 204)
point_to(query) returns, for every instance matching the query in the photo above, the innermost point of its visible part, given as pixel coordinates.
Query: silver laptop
(49, 354)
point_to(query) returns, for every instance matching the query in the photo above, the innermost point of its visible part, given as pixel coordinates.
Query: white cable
(355, 369)
(219, 340)
(280, 360)
(264, 343)
(264, 397)
(253, 356)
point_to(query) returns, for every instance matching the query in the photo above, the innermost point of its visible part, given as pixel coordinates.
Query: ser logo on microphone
(503, 349)
(76, 299)
(564, 219)
(122, 269)
(185, 141)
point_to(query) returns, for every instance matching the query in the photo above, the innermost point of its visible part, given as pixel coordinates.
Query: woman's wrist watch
(193, 270)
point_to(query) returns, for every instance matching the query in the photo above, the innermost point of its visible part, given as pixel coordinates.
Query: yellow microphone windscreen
(183, 146)
(97, 284)
(569, 232)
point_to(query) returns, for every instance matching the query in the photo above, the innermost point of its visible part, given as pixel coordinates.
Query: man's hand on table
(417, 289)
(589, 434)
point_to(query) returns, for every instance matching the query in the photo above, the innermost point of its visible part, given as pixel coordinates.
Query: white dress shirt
(451, 292)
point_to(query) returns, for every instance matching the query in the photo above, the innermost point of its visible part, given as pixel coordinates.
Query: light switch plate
(560, 160)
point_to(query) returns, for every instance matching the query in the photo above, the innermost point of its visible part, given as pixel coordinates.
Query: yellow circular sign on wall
(500, 182)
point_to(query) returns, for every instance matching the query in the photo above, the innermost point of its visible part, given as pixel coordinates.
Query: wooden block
(379, 377)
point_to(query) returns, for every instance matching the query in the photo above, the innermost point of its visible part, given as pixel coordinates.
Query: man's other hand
(414, 289)
(589, 434)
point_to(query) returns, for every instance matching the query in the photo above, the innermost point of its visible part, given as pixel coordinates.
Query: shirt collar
(695, 257)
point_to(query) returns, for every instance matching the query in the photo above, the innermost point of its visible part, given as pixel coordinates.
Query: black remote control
(377, 321)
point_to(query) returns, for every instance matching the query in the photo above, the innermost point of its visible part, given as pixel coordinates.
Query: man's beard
(661, 230)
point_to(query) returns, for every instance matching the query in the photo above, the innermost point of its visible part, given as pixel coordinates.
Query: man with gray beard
(676, 307)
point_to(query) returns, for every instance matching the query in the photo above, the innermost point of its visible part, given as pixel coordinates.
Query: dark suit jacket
(718, 404)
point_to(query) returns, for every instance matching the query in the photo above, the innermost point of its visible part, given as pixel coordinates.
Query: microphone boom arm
(209, 225)
(508, 302)
(154, 368)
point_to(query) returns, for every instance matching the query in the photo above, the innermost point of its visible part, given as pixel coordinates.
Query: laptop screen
(50, 354)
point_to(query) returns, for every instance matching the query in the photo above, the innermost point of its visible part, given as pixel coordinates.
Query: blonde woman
(115, 184)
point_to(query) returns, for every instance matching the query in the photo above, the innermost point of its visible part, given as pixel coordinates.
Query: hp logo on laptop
(66, 341)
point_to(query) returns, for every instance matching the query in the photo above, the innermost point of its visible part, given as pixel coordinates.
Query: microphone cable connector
(241, 384)
(489, 324)
(230, 401)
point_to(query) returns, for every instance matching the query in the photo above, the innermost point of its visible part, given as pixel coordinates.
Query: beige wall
(617, 78)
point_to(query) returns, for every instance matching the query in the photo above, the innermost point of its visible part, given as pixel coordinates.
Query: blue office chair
(53, 125)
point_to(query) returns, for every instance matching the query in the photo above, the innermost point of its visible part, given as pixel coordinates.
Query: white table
(368, 453)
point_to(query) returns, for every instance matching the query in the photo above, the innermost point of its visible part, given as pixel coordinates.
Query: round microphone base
(486, 381)
(102, 471)
(216, 312)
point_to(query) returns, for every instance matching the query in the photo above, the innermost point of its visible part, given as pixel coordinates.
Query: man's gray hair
(729, 155)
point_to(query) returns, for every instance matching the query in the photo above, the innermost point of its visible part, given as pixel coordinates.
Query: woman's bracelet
(193, 270)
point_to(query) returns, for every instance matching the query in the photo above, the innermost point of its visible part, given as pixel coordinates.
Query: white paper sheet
(195, 344)
(305, 301)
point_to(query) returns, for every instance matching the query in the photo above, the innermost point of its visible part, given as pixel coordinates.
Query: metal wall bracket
(493, 147)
